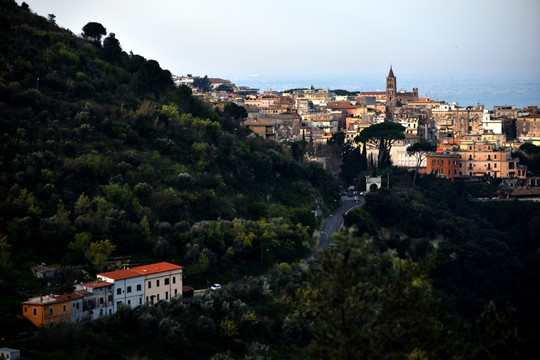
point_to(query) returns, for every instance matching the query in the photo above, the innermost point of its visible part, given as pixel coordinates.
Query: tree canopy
(382, 136)
(202, 83)
(94, 31)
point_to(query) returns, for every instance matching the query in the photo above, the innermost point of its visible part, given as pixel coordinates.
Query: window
(77, 306)
(175, 292)
(140, 301)
(174, 279)
(149, 284)
(129, 289)
(129, 302)
(35, 312)
(51, 311)
(139, 287)
(118, 291)
(157, 283)
(158, 297)
(166, 281)
(26, 309)
(167, 295)
(118, 303)
(64, 308)
(109, 298)
(494, 165)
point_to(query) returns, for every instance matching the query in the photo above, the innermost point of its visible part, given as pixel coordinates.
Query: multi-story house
(320, 121)
(443, 165)
(484, 158)
(128, 287)
(162, 281)
(265, 128)
(505, 111)
(399, 154)
(528, 127)
(453, 121)
(49, 310)
(98, 298)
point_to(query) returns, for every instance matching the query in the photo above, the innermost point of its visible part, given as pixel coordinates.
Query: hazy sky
(237, 38)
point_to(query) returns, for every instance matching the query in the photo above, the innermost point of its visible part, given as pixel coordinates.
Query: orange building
(49, 309)
(443, 165)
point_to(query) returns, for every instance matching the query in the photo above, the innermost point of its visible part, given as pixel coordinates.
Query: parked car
(161, 302)
(215, 287)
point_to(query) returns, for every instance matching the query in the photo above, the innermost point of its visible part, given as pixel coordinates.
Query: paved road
(334, 222)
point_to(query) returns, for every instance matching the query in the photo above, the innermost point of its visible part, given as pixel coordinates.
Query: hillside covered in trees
(103, 158)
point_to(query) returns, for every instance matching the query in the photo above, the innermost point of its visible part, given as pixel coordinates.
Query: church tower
(391, 86)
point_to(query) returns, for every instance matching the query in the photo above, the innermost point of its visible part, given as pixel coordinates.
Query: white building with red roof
(163, 281)
(128, 287)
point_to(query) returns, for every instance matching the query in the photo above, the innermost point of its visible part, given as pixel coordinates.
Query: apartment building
(444, 165)
(162, 281)
(484, 158)
(128, 287)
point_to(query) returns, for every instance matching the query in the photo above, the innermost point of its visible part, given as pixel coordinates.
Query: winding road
(334, 222)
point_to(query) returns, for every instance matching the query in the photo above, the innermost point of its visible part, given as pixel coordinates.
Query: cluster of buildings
(147, 284)
(472, 141)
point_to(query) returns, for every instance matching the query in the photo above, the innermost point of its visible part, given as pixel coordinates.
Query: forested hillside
(103, 160)
(102, 156)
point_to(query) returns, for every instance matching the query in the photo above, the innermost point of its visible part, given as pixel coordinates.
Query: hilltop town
(473, 141)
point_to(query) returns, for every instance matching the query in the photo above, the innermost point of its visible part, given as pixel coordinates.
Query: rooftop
(120, 274)
(155, 268)
(96, 284)
(68, 297)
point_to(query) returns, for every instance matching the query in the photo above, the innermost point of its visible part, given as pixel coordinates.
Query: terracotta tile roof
(97, 284)
(68, 297)
(120, 274)
(155, 268)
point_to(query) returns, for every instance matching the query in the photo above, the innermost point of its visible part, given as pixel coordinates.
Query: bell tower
(391, 84)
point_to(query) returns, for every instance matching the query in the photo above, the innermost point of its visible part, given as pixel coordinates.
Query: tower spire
(391, 73)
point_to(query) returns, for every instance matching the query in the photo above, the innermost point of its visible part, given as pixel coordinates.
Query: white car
(215, 287)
